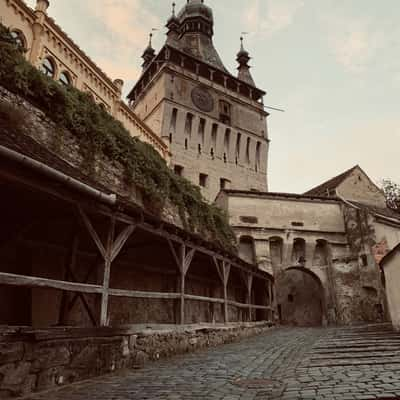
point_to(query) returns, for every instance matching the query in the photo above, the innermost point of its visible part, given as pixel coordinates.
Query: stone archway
(300, 298)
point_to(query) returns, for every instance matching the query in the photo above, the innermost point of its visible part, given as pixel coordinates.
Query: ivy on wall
(99, 133)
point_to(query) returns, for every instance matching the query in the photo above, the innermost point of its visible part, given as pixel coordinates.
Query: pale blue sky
(333, 65)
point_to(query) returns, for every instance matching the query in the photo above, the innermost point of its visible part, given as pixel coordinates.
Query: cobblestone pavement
(349, 363)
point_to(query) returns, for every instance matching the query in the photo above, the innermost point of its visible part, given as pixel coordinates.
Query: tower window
(248, 151)
(203, 180)
(178, 169)
(188, 125)
(202, 127)
(238, 144)
(174, 116)
(225, 112)
(258, 156)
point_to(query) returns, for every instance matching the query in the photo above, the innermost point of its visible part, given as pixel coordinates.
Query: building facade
(390, 265)
(214, 122)
(50, 49)
(323, 248)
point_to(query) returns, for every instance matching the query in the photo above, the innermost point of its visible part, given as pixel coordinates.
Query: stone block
(11, 352)
(48, 356)
(14, 374)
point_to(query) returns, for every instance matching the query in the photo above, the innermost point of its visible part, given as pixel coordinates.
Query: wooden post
(109, 254)
(106, 276)
(183, 261)
(224, 269)
(249, 284)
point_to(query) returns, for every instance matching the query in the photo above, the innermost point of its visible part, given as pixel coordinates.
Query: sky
(332, 65)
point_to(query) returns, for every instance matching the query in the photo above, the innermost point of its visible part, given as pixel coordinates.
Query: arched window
(247, 249)
(65, 78)
(258, 156)
(48, 67)
(19, 38)
(238, 144)
(276, 250)
(248, 151)
(299, 251)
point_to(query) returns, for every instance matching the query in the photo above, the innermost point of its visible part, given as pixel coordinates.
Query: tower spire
(149, 52)
(243, 59)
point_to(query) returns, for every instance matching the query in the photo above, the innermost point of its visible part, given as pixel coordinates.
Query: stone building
(51, 50)
(323, 247)
(214, 122)
(390, 265)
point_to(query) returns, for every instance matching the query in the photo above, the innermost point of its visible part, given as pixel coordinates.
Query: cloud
(269, 17)
(126, 26)
(354, 42)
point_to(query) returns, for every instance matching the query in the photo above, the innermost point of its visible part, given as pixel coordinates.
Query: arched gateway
(301, 298)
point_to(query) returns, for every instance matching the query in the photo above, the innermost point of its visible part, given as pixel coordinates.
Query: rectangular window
(225, 112)
(203, 180)
(178, 169)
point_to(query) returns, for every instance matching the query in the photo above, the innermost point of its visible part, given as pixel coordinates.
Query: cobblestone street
(348, 363)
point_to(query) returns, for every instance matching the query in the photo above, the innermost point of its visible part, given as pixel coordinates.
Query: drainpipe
(109, 199)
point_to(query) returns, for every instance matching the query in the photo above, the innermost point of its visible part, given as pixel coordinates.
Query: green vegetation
(392, 194)
(99, 133)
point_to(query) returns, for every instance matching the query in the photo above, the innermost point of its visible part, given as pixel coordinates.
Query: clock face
(202, 99)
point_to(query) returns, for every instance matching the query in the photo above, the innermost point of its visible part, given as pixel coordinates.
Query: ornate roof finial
(243, 59)
(149, 52)
(173, 9)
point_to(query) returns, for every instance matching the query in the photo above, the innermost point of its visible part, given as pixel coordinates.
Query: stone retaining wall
(32, 361)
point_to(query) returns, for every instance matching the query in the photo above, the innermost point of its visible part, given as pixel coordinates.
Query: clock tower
(214, 122)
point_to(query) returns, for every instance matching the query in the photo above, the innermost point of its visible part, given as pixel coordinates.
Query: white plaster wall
(389, 233)
(392, 277)
(280, 213)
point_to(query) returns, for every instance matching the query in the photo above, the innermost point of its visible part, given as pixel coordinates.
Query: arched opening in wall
(299, 252)
(172, 125)
(65, 78)
(371, 307)
(19, 39)
(276, 250)
(321, 254)
(227, 140)
(248, 151)
(202, 128)
(247, 249)
(48, 67)
(188, 126)
(237, 150)
(301, 298)
(258, 156)
(214, 136)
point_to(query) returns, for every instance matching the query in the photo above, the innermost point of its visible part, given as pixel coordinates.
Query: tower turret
(173, 27)
(243, 59)
(149, 53)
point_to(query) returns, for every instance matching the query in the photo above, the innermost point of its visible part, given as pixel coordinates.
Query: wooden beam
(143, 295)
(107, 272)
(30, 281)
(202, 298)
(121, 240)
(92, 232)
